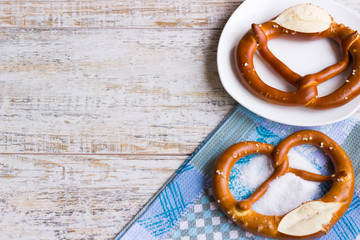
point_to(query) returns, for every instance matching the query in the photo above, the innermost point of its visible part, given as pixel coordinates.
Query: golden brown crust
(241, 213)
(306, 93)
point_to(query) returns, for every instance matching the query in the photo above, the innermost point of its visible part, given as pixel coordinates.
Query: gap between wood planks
(113, 28)
(101, 154)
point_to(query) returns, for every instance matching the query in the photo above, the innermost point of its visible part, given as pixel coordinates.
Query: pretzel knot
(309, 220)
(306, 93)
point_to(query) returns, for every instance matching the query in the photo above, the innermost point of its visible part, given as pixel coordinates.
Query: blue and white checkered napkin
(185, 209)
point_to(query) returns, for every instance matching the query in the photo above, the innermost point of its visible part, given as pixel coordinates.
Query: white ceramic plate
(303, 57)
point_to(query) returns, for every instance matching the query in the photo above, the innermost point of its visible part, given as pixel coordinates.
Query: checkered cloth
(185, 209)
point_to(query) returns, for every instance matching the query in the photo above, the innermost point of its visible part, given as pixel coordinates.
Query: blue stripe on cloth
(178, 200)
(182, 199)
(164, 212)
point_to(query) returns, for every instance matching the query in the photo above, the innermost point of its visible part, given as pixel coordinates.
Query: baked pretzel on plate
(304, 21)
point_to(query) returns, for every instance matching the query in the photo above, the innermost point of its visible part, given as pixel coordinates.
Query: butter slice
(305, 18)
(309, 218)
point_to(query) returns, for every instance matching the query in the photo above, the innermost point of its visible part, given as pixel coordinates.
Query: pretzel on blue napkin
(185, 208)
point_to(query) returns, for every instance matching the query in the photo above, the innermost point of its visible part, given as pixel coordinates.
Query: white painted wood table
(100, 102)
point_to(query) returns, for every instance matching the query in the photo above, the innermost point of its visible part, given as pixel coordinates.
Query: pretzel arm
(317, 177)
(279, 171)
(282, 69)
(350, 88)
(244, 54)
(335, 69)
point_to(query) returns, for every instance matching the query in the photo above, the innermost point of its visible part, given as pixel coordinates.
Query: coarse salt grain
(284, 194)
(298, 161)
(250, 174)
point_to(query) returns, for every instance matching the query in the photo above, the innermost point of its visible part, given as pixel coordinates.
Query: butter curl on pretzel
(310, 220)
(308, 22)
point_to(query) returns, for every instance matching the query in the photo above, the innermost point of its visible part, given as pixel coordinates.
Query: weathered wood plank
(121, 13)
(76, 197)
(109, 91)
(116, 13)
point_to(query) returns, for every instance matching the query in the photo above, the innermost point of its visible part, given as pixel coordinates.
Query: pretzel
(309, 220)
(306, 93)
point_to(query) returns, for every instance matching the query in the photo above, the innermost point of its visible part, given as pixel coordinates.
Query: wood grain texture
(100, 77)
(109, 91)
(118, 14)
(158, 14)
(76, 197)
